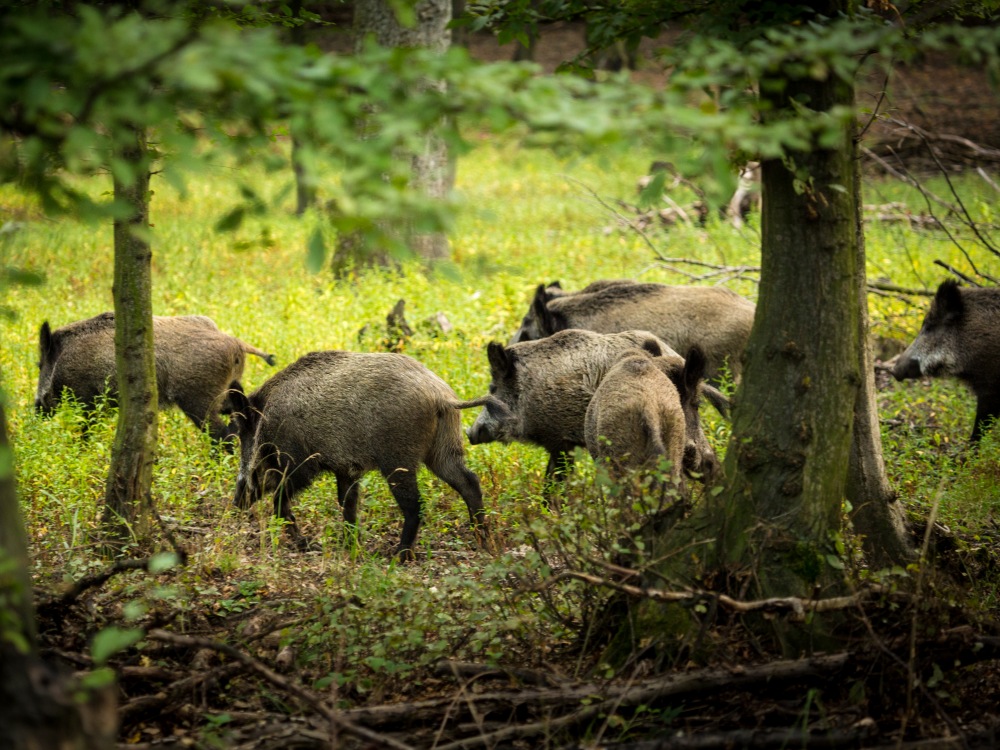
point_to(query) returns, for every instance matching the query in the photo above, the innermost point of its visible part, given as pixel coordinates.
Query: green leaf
(317, 251)
(110, 641)
(231, 221)
(163, 561)
(653, 191)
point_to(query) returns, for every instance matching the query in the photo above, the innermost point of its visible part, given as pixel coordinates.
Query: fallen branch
(754, 739)
(335, 718)
(796, 606)
(446, 668)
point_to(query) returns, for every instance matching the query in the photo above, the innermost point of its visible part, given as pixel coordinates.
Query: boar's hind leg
(454, 471)
(987, 412)
(403, 484)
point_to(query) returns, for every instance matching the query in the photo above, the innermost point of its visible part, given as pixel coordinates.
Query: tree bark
(792, 422)
(432, 168)
(130, 475)
(876, 513)
(40, 707)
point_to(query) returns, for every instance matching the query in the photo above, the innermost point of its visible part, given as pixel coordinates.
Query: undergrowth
(367, 624)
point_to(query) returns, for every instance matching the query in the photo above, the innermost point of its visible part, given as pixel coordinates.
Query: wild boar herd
(598, 368)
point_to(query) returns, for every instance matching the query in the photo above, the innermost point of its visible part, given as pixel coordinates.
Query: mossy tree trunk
(130, 475)
(40, 707)
(431, 166)
(787, 460)
(807, 392)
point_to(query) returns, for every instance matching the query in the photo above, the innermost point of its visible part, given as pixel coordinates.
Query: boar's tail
(251, 349)
(491, 402)
(481, 401)
(716, 398)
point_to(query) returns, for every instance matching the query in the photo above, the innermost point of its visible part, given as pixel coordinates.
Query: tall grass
(527, 217)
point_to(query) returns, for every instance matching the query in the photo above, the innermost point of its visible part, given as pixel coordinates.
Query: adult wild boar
(196, 365)
(541, 389)
(960, 336)
(639, 415)
(351, 413)
(714, 319)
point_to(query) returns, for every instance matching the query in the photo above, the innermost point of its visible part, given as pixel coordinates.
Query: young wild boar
(712, 318)
(961, 337)
(351, 413)
(639, 415)
(196, 364)
(542, 389)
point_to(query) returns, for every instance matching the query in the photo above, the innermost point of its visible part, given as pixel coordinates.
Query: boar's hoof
(303, 543)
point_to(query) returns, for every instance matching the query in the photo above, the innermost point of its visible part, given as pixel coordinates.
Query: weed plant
(369, 625)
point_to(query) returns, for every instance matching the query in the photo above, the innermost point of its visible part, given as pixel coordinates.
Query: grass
(528, 217)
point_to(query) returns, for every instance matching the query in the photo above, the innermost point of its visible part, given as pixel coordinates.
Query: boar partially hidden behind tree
(639, 415)
(715, 319)
(196, 365)
(351, 413)
(960, 336)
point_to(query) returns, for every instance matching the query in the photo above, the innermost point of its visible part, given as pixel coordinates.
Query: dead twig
(797, 607)
(335, 718)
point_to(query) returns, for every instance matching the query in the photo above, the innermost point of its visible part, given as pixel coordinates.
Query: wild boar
(546, 385)
(714, 319)
(638, 415)
(960, 336)
(351, 413)
(196, 365)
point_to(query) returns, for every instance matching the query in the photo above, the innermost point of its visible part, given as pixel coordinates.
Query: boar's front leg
(348, 490)
(987, 412)
(283, 510)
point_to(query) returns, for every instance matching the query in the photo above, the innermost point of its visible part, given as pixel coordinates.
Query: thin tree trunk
(40, 707)
(876, 514)
(305, 190)
(130, 475)
(432, 167)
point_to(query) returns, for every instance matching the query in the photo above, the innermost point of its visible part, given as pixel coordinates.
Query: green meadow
(525, 217)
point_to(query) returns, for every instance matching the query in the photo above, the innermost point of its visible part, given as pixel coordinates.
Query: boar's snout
(906, 368)
(479, 433)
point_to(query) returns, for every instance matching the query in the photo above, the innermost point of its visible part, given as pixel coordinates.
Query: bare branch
(306, 696)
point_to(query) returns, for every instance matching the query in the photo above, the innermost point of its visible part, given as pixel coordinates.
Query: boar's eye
(493, 388)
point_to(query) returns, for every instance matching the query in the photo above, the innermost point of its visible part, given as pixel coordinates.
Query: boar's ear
(244, 415)
(547, 324)
(653, 347)
(45, 343)
(948, 301)
(555, 284)
(692, 374)
(501, 361)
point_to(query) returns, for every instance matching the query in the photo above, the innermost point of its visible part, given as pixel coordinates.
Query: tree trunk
(40, 707)
(792, 421)
(876, 514)
(305, 190)
(130, 475)
(432, 168)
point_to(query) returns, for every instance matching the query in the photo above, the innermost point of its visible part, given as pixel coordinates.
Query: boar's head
(540, 320)
(498, 420)
(699, 456)
(935, 349)
(258, 473)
